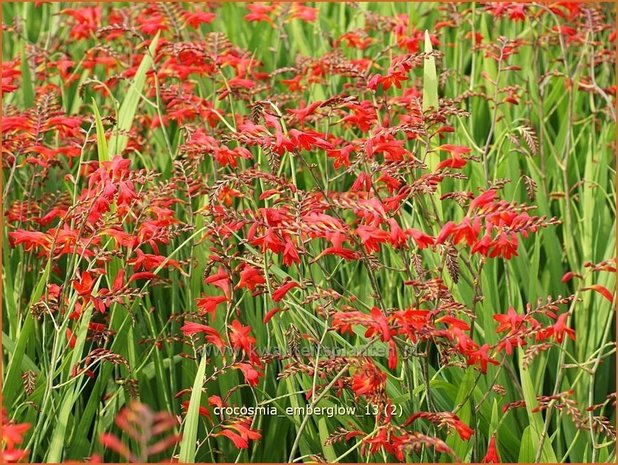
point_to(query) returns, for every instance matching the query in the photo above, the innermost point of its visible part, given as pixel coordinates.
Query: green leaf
(527, 448)
(59, 437)
(128, 107)
(430, 78)
(189, 431)
(430, 99)
(9, 346)
(535, 418)
(101, 142)
(327, 450)
(27, 87)
(464, 394)
(495, 418)
(11, 386)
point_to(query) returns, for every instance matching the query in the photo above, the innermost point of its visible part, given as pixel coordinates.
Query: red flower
(303, 111)
(384, 439)
(240, 432)
(290, 254)
(252, 376)
(456, 160)
(372, 237)
(283, 290)
(392, 355)
(483, 245)
(199, 17)
(226, 156)
(307, 140)
(492, 455)
(270, 314)
(368, 380)
(337, 239)
(209, 304)
(30, 239)
(376, 322)
(516, 11)
(221, 280)
(71, 338)
(464, 431)
(12, 435)
(398, 236)
(211, 334)
(304, 13)
(84, 285)
(88, 20)
(203, 411)
(411, 321)
(394, 78)
(250, 277)
(508, 343)
(150, 262)
(480, 357)
(601, 290)
(259, 12)
(444, 418)
(468, 230)
(512, 321)
(142, 275)
(483, 200)
(421, 239)
(559, 329)
(362, 183)
(294, 85)
(453, 162)
(240, 337)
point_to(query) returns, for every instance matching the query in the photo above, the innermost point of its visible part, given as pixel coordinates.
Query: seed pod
(29, 381)
(530, 187)
(417, 263)
(452, 263)
(257, 111)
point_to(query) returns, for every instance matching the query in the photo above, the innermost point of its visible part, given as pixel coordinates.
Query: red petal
(142, 275)
(601, 290)
(270, 314)
(110, 441)
(235, 438)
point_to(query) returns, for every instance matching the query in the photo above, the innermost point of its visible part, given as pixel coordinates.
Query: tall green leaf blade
(464, 395)
(189, 432)
(102, 149)
(126, 114)
(430, 77)
(27, 87)
(535, 418)
(430, 100)
(11, 385)
(59, 441)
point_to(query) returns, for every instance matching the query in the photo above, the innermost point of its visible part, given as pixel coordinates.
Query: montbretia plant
(214, 212)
